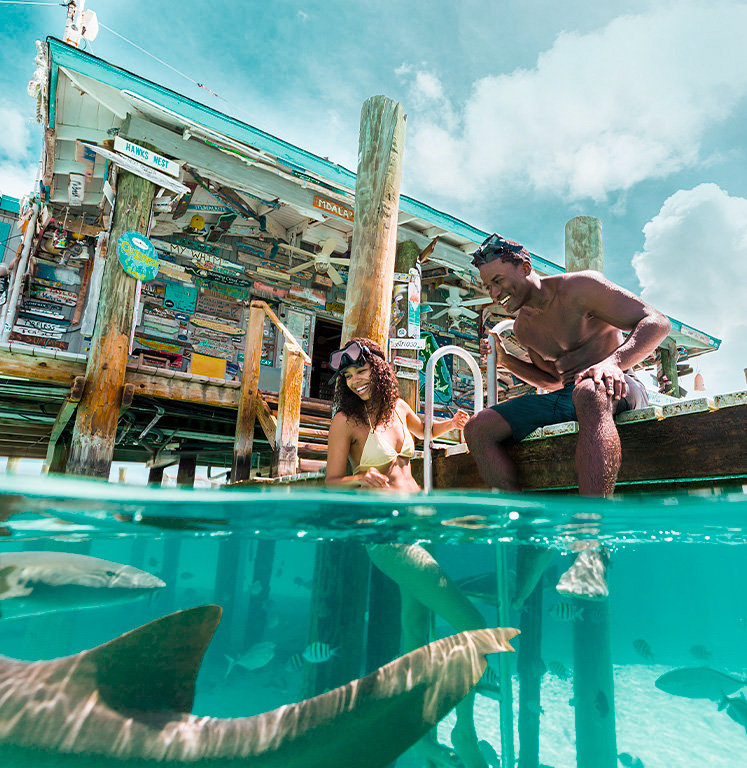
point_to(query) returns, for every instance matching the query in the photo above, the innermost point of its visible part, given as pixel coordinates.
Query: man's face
(507, 283)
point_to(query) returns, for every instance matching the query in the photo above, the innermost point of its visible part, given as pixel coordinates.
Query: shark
(34, 583)
(129, 701)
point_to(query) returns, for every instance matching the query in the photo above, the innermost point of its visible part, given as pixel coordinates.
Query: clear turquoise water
(677, 581)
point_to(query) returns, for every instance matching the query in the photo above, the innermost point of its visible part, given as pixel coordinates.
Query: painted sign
(146, 156)
(173, 271)
(241, 293)
(37, 340)
(137, 255)
(406, 343)
(214, 349)
(408, 362)
(413, 304)
(407, 374)
(62, 275)
(212, 303)
(157, 345)
(86, 157)
(216, 277)
(144, 171)
(54, 295)
(40, 325)
(306, 294)
(180, 297)
(335, 208)
(214, 325)
(76, 189)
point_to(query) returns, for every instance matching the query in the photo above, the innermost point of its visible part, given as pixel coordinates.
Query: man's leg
(597, 465)
(484, 435)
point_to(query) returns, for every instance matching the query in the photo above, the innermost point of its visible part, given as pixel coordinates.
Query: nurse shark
(33, 583)
(130, 700)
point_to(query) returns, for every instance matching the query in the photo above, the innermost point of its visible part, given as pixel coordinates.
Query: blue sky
(521, 115)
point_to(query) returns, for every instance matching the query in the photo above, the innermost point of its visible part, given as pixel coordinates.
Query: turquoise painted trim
(53, 75)
(293, 157)
(10, 204)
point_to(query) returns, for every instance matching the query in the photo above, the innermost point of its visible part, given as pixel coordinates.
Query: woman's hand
(372, 478)
(459, 419)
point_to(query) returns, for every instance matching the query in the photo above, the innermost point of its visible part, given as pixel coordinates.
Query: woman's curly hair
(384, 389)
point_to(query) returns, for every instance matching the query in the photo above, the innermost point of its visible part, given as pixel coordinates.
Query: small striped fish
(701, 652)
(295, 662)
(558, 669)
(643, 649)
(319, 652)
(565, 612)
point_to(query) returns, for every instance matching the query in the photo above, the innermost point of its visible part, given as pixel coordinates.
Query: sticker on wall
(137, 255)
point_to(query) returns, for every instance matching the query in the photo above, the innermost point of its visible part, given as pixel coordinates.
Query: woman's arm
(417, 427)
(339, 440)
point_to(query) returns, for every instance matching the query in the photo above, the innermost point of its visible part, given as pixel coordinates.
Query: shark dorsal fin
(154, 667)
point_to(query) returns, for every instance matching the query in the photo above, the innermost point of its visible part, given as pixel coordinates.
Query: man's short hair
(497, 247)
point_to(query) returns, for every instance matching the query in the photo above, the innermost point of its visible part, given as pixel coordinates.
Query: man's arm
(537, 373)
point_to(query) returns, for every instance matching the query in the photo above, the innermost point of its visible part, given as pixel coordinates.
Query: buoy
(699, 383)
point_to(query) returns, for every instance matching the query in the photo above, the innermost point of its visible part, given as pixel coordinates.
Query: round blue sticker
(137, 255)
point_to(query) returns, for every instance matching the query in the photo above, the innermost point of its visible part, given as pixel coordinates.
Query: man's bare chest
(553, 332)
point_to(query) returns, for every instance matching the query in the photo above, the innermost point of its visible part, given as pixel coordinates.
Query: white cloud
(16, 133)
(694, 268)
(598, 113)
(17, 179)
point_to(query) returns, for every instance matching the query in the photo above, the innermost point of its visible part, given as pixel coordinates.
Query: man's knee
(590, 397)
(486, 425)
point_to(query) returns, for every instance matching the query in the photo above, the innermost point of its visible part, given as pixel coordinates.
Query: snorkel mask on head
(350, 354)
(495, 247)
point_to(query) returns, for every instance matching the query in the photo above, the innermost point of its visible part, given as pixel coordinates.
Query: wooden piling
(285, 453)
(668, 367)
(596, 743)
(96, 419)
(341, 568)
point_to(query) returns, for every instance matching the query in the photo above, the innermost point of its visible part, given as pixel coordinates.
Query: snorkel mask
(351, 354)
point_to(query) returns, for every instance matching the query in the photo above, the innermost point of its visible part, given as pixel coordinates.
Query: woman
(373, 428)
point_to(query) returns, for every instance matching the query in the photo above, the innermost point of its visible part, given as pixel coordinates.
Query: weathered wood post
(247, 411)
(285, 454)
(668, 367)
(341, 569)
(593, 682)
(95, 429)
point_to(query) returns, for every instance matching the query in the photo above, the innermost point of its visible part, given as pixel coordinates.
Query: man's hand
(459, 419)
(500, 350)
(607, 373)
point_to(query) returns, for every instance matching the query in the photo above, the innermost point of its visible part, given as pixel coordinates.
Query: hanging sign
(335, 208)
(173, 271)
(214, 325)
(76, 189)
(180, 297)
(407, 374)
(146, 156)
(38, 341)
(144, 171)
(212, 303)
(406, 343)
(409, 362)
(413, 304)
(54, 295)
(137, 255)
(40, 325)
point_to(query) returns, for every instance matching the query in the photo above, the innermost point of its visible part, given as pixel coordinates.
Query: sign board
(173, 271)
(86, 157)
(180, 297)
(39, 341)
(413, 304)
(146, 156)
(408, 362)
(407, 374)
(54, 295)
(137, 255)
(144, 171)
(406, 343)
(214, 325)
(336, 209)
(212, 303)
(76, 189)
(401, 277)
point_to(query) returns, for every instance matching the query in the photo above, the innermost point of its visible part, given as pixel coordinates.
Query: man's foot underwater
(587, 577)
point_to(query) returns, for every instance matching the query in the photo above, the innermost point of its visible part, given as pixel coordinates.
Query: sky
(520, 116)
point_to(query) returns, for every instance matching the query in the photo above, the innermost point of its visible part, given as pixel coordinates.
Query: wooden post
(247, 410)
(155, 476)
(371, 276)
(285, 453)
(185, 475)
(583, 244)
(668, 367)
(96, 420)
(596, 745)
(504, 665)
(406, 258)
(63, 417)
(341, 569)
(259, 599)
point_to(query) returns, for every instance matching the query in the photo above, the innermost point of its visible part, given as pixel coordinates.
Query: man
(571, 326)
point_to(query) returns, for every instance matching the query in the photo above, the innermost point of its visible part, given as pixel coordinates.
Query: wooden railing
(281, 432)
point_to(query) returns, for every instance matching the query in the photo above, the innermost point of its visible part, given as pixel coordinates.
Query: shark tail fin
(155, 666)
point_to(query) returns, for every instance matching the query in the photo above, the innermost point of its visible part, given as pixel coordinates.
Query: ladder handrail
(492, 376)
(430, 373)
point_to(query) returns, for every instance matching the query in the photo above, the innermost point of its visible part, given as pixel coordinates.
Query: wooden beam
(247, 405)
(266, 420)
(63, 416)
(92, 448)
(285, 453)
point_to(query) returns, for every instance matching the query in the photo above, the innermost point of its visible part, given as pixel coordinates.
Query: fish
(601, 704)
(35, 583)
(701, 652)
(490, 685)
(539, 668)
(186, 575)
(699, 683)
(258, 656)
(597, 613)
(299, 582)
(558, 669)
(643, 649)
(565, 612)
(736, 708)
(295, 663)
(629, 761)
(128, 702)
(316, 653)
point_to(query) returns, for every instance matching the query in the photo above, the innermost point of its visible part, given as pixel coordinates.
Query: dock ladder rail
(430, 375)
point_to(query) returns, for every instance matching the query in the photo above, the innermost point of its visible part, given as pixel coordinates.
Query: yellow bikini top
(378, 453)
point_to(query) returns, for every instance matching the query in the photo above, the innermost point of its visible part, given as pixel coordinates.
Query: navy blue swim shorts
(528, 412)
